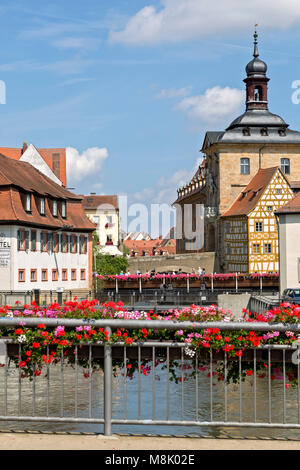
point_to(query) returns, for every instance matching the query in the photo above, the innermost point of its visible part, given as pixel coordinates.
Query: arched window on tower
(245, 166)
(258, 93)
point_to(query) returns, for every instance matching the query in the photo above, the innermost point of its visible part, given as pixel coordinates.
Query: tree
(107, 264)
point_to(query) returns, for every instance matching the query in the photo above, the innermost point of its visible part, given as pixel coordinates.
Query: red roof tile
(17, 177)
(293, 206)
(150, 246)
(49, 155)
(249, 197)
(93, 201)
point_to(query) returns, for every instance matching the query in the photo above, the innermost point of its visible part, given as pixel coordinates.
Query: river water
(126, 400)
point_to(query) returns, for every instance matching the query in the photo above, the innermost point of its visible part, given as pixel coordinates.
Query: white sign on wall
(4, 251)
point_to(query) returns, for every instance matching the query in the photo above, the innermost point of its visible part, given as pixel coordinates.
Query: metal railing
(260, 303)
(198, 403)
(175, 297)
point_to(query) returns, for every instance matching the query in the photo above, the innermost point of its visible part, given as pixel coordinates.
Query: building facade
(103, 211)
(45, 236)
(258, 139)
(289, 247)
(250, 237)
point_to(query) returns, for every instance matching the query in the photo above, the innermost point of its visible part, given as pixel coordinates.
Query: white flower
(190, 352)
(227, 319)
(22, 339)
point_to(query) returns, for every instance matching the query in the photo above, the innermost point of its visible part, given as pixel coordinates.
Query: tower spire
(256, 81)
(255, 35)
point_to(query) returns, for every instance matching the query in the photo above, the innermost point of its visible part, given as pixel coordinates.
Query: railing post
(260, 284)
(107, 387)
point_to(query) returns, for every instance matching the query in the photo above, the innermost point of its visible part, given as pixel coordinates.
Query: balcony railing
(192, 400)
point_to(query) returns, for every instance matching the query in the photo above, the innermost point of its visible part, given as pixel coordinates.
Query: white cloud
(181, 20)
(79, 43)
(165, 190)
(168, 93)
(214, 105)
(89, 162)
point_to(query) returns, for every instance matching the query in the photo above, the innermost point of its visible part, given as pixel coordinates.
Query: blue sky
(131, 86)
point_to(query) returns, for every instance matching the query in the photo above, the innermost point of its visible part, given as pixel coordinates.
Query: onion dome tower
(256, 81)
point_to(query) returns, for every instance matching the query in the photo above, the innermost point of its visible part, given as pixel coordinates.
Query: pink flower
(60, 331)
(179, 332)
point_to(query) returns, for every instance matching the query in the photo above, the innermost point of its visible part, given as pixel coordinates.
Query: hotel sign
(4, 250)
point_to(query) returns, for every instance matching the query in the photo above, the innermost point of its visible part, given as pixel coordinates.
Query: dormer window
(54, 208)
(42, 206)
(264, 131)
(282, 132)
(246, 131)
(63, 209)
(28, 202)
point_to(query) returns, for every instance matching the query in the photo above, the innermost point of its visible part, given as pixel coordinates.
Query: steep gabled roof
(50, 156)
(250, 196)
(292, 207)
(27, 177)
(17, 177)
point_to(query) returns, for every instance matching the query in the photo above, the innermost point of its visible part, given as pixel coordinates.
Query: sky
(130, 87)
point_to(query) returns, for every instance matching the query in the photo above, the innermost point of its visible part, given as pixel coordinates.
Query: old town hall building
(239, 164)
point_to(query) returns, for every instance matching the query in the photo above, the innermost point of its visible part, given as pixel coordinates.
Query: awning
(110, 250)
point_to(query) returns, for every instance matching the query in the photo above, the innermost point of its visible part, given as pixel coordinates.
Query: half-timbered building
(250, 233)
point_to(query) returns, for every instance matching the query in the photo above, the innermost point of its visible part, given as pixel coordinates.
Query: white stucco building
(103, 210)
(288, 218)
(45, 235)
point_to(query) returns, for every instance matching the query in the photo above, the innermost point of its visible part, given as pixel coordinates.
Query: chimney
(24, 147)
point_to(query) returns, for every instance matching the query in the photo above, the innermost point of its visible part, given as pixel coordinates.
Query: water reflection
(83, 397)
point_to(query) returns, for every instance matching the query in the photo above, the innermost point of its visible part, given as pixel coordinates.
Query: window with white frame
(54, 208)
(259, 226)
(256, 248)
(42, 206)
(285, 165)
(245, 166)
(63, 209)
(28, 203)
(268, 247)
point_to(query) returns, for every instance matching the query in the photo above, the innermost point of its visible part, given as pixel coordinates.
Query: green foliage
(107, 264)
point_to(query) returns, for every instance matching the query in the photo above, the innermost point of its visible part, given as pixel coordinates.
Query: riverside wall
(186, 262)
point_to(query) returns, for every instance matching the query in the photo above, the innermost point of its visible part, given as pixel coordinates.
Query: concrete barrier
(234, 302)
